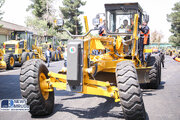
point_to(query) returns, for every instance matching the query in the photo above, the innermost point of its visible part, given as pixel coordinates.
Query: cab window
(120, 21)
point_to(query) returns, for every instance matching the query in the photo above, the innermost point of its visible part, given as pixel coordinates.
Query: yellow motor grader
(51, 43)
(114, 72)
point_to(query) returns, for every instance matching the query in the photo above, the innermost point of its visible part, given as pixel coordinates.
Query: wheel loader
(19, 48)
(115, 72)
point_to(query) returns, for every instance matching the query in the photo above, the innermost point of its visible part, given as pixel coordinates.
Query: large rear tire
(33, 73)
(54, 56)
(58, 56)
(129, 91)
(10, 61)
(25, 57)
(32, 55)
(155, 72)
(159, 69)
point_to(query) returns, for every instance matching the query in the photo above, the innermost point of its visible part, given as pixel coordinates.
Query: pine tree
(43, 18)
(71, 13)
(38, 8)
(1, 4)
(174, 18)
(1, 13)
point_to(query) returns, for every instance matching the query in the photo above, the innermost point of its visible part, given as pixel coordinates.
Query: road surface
(160, 104)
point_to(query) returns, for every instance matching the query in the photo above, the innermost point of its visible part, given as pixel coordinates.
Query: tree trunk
(76, 27)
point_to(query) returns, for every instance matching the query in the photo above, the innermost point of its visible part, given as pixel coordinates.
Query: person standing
(65, 57)
(144, 39)
(102, 31)
(48, 56)
(162, 57)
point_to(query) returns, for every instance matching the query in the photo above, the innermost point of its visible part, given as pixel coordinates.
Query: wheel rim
(12, 61)
(58, 56)
(27, 58)
(33, 57)
(55, 56)
(19, 59)
(43, 86)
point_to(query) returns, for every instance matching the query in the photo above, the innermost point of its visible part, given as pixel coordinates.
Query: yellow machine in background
(62, 46)
(169, 51)
(20, 48)
(50, 42)
(148, 49)
(104, 66)
(38, 51)
(178, 51)
(177, 54)
(2, 62)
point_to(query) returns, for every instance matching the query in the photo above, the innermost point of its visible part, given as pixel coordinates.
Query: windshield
(18, 35)
(120, 21)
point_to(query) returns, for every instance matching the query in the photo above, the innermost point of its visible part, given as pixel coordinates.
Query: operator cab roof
(16, 31)
(124, 6)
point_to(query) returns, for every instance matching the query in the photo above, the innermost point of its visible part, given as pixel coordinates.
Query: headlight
(60, 22)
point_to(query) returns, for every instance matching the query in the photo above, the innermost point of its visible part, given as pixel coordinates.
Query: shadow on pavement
(64, 93)
(150, 92)
(82, 96)
(102, 110)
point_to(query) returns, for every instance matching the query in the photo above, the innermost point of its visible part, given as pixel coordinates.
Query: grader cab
(113, 72)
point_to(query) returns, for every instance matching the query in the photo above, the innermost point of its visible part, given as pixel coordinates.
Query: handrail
(121, 34)
(77, 35)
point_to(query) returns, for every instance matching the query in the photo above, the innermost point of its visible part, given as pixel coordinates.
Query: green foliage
(174, 19)
(1, 13)
(38, 8)
(40, 26)
(71, 13)
(63, 35)
(42, 21)
(1, 4)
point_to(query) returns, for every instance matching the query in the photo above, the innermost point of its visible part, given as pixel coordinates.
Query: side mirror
(59, 22)
(96, 22)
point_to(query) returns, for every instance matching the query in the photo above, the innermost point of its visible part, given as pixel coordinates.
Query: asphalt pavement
(160, 104)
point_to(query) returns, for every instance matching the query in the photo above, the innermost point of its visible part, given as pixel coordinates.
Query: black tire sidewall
(24, 57)
(132, 93)
(31, 54)
(7, 60)
(53, 56)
